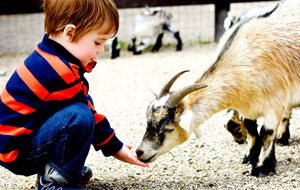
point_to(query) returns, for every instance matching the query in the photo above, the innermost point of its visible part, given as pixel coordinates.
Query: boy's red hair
(86, 15)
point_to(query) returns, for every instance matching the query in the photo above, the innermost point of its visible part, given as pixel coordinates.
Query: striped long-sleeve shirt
(49, 79)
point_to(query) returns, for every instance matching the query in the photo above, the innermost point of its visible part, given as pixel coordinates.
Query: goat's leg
(115, 48)
(284, 140)
(145, 43)
(158, 43)
(179, 41)
(283, 134)
(266, 161)
(253, 143)
(167, 27)
(132, 47)
(236, 127)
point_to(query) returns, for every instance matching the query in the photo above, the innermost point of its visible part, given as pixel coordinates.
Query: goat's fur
(236, 125)
(252, 13)
(256, 72)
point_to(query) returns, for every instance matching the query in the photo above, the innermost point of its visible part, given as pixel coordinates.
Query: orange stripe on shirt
(90, 105)
(64, 94)
(9, 157)
(13, 104)
(35, 86)
(59, 66)
(75, 69)
(14, 131)
(98, 117)
(106, 140)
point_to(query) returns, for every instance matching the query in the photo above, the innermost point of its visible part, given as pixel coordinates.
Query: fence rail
(34, 6)
(221, 7)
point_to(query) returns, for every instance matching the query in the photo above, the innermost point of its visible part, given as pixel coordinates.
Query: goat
(148, 25)
(236, 127)
(256, 72)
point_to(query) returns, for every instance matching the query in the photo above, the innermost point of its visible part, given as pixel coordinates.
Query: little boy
(47, 118)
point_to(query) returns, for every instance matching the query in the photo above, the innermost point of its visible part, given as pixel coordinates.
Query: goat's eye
(168, 130)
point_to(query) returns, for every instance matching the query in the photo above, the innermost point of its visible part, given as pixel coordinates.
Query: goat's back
(260, 63)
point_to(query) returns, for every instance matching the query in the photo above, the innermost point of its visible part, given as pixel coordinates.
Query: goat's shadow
(126, 183)
(197, 182)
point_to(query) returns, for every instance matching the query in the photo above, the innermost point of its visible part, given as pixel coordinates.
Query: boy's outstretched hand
(126, 155)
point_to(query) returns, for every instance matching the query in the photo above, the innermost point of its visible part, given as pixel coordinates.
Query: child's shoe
(87, 174)
(44, 184)
(52, 180)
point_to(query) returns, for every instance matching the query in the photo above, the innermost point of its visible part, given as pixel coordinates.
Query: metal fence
(20, 32)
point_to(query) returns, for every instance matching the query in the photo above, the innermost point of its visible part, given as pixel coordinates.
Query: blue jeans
(63, 141)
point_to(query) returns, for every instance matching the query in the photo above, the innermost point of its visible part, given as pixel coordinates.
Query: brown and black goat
(256, 72)
(237, 126)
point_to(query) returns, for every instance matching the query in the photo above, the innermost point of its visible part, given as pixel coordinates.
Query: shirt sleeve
(104, 137)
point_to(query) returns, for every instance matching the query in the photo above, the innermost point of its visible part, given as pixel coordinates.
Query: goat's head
(237, 127)
(163, 115)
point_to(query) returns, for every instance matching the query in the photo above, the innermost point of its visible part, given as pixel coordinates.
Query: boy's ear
(69, 32)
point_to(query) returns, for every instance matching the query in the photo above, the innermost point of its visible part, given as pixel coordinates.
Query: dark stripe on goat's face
(157, 119)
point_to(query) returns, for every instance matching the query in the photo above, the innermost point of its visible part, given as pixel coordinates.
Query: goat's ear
(179, 110)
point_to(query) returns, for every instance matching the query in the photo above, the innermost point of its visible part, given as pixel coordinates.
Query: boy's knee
(81, 117)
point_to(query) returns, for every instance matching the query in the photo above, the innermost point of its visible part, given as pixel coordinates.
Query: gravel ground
(119, 88)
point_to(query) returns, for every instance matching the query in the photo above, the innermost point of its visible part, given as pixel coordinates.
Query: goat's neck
(202, 104)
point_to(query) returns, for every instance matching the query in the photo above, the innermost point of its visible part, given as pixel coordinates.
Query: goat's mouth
(240, 141)
(151, 159)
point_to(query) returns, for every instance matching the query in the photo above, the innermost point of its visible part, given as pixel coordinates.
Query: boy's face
(88, 47)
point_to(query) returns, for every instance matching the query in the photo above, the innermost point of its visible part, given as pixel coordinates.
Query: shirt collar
(55, 48)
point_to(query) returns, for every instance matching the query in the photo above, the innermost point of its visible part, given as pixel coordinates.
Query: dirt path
(211, 162)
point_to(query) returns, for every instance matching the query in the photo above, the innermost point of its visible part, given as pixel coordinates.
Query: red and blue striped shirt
(49, 79)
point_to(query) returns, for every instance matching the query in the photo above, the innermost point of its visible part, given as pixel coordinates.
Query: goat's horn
(167, 86)
(177, 96)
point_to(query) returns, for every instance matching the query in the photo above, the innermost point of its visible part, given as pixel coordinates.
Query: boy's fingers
(139, 163)
(135, 161)
(129, 147)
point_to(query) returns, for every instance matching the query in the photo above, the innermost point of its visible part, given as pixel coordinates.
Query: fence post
(221, 9)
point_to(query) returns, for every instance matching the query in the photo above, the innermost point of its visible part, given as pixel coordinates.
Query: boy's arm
(104, 136)
(105, 139)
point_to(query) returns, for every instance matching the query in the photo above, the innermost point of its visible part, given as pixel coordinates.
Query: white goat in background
(256, 72)
(149, 28)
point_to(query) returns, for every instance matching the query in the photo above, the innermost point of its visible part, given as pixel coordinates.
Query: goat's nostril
(139, 152)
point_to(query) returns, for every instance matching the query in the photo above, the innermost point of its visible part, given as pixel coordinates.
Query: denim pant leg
(63, 141)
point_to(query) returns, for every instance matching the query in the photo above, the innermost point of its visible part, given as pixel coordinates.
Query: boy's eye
(97, 43)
